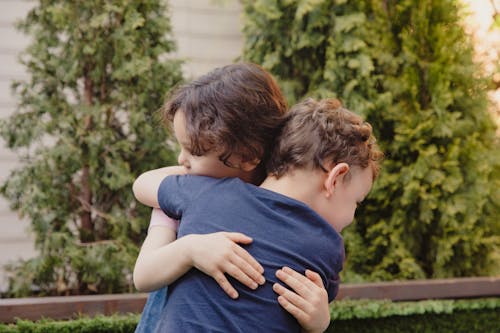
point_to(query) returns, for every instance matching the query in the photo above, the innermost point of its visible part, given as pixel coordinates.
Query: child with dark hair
(225, 122)
(323, 164)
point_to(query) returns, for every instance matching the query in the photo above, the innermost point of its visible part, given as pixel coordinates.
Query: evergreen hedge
(84, 129)
(484, 321)
(98, 324)
(408, 68)
(476, 315)
(479, 315)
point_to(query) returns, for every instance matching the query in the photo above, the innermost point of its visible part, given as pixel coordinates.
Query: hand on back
(219, 253)
(307, 301)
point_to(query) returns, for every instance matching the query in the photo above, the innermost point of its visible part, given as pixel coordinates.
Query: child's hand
(309, 303)
(218, 253)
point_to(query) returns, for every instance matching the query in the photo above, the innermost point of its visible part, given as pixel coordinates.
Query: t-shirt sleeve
(176, 193)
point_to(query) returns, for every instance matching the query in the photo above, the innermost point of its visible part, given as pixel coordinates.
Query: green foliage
(475, 315)
(408, 68)
(375, 309)
(84, 128)
(98, 324)
(459, 322)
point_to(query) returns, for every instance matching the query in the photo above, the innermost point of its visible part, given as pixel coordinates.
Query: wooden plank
(65, 307)
(69, 306)
(423, 289)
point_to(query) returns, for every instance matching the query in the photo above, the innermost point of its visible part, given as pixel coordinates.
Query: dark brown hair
(234, 109)
(317, 134)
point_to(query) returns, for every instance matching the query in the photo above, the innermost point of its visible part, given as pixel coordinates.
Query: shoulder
(195, 185)
(182, 180)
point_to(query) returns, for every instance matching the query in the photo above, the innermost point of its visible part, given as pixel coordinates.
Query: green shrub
(432, 316)
(99, 324)
(485, 321)
(375, 309)
(84, 129)
(408, 68)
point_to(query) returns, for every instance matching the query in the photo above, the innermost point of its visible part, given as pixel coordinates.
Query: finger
(240, 275)
(247, 269)
(238, 237)
(315, 278)
(244, 239)
(300, 315)
(223, 282)
(298, 282)
(291, 297)
(249, 265)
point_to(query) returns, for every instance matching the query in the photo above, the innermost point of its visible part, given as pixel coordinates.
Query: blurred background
(209, 34)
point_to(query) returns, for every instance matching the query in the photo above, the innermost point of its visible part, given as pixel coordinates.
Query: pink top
(160, 219)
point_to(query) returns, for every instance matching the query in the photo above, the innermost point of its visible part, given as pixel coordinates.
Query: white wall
(207, 33)
(15, 241)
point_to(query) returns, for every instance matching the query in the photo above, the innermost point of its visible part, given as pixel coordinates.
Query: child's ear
(335, 176)
(248, 166)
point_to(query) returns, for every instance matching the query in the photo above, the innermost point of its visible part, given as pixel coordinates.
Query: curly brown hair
(321, 133)
(235, 109)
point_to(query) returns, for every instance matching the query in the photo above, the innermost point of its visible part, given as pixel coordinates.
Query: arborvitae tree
(407, 67)
(85, 128)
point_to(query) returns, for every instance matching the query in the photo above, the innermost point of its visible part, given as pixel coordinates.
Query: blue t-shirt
(285, 232)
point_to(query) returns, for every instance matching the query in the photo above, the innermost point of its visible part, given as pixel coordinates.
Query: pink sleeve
(160, 219)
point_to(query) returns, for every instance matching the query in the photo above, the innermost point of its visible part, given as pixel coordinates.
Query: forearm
(162, 266)
(146, 185)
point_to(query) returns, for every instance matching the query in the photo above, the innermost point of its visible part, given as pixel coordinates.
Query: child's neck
(302, 185)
